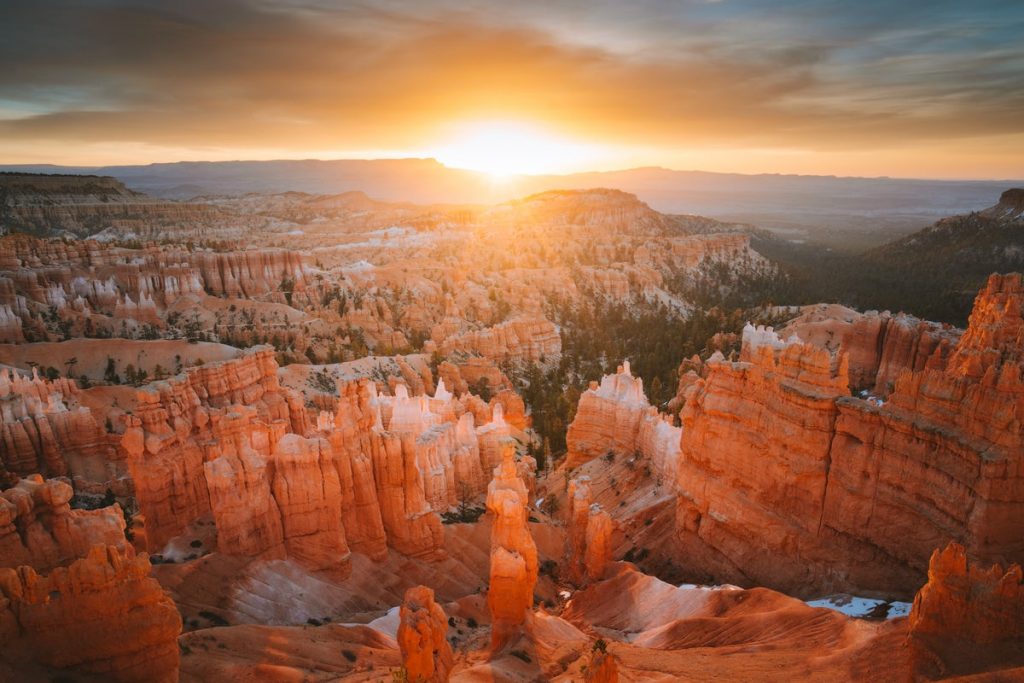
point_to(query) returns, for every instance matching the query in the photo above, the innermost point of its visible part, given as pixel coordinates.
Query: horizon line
(509, 178)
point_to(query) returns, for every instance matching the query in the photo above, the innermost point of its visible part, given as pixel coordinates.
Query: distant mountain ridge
(964, 248)
(933, 273)
(850, 213)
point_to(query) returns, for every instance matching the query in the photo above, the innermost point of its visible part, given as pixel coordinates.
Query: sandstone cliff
(101, 615)
(615, 418)
(226, 439)
(525, 338)
(46, 430)
(38, 528)
(967, 618)
(879, 345)
(590, 531)
(778, 461)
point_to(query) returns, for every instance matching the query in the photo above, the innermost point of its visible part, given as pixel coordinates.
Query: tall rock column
(513, 553)
(590, 533)
(426, 654)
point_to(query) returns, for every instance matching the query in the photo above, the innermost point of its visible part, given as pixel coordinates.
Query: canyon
(378, 441)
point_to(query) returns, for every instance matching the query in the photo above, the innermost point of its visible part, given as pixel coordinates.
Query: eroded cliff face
(880, 346)
(38, 528)
(46, 430)
(103, 615)
(590, 533)
(615, 417)
(227, 440)
(529, 338)
(967, 618)
(779, 462)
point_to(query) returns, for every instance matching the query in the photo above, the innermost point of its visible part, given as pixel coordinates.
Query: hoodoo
(513, 553)
(426, 654)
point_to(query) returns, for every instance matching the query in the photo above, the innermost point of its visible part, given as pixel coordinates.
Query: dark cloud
(320, 75)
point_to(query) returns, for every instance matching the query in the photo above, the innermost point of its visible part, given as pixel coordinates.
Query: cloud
(389, 75)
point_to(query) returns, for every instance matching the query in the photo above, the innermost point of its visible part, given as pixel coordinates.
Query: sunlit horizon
(457, 155)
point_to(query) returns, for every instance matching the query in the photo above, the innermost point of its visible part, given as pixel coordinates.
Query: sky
(915, 88)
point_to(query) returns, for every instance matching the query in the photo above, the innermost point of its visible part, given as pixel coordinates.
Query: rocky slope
(85, 205)
(783, 478)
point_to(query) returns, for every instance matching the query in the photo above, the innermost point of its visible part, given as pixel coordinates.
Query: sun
(508, 148)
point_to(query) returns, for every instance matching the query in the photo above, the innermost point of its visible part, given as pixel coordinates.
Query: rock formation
(590, 531)
(426, 653)
(879, 345)
(45, 430)
(101, 615)
(608, 418)
(525, 338)
(864, 491)
(615, 417)
(38, 528)
(967, 618)
(513, 554)
(602, 667)
(227, 439)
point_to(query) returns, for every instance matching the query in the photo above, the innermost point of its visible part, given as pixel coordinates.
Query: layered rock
(38, 528)
(215, 421)
(608, 418)
(589, 537)
(513, 572)
(966, 617)
(350, 432)
(880, 346)
(525, 338)
(102, 615)
(691, 251)
(308, 490)
(45, 430)
(602, 668)
(422, 629)
(248, 518)
(615, 418)
(754, 449)
(778, 461)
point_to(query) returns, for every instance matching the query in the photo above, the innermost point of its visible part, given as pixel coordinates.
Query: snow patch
(857, 607)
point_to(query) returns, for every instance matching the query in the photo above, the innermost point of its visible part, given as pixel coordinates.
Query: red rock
(602, 668)
(615, 417)
(526, 338)
(422, 631)
(608, 418)
(513, 554)
(307, 489)
(101, 615)
(45, 430)
(352, 436)
(778, 461)
(178, 420)
(967, 618)
(880, 346)
(39, 529)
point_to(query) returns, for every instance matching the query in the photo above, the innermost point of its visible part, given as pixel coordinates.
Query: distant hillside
(85, 205)
(848, 213)
(959, 252)
(933, 273)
